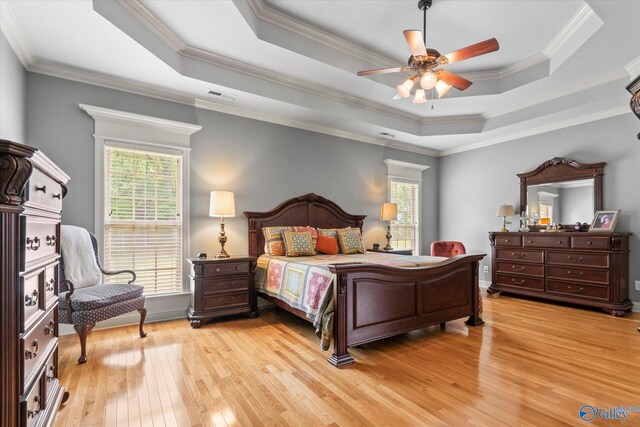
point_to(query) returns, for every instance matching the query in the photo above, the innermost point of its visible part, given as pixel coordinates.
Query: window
(405, 229)
(405, 183)
(143, 227)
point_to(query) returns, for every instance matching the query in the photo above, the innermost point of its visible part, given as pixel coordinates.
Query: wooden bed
(372, 301)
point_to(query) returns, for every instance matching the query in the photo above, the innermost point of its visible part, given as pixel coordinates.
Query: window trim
(128, 130)
(410, 173)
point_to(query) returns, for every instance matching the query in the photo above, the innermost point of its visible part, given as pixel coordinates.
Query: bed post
(475, 319)
(340, 356)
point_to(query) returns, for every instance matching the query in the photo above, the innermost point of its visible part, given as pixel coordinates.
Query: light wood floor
(531, 364)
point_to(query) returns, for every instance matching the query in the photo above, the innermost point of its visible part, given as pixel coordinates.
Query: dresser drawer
(578, 289)
(40, 240)
(528, 269)
(34, 344)
(216, 285)
(227, 300)
(32, 304)
(593, 276)
(33, 401)
(546, 241)
(588, 260)
(221, 269)
(520, 282)
(43, 192)
(508, 241)
(519, 255)
(50, 282)
(590, 242)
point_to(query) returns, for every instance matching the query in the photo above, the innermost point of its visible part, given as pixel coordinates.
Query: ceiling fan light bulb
(419, 98)
(442, 88)
(404, 90)
(428, 80)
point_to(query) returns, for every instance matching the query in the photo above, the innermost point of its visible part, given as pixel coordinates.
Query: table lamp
(388, 212)
(222, 205)
(504, 211)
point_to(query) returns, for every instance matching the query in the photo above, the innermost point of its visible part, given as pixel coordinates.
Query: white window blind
(143, 217)
(405, 228)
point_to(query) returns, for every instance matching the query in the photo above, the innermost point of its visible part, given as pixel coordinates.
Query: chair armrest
(67, 298)
(112, 273)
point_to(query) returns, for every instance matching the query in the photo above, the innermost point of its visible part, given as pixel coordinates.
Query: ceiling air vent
(223, 97)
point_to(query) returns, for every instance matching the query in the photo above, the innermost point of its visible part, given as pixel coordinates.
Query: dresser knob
(518, 282)
(576, 290)
(529, 241)
(217, 269)
(507, 240)
(559, 242)
(589, 242)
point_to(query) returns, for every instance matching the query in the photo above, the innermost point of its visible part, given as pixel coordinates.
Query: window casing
(143, 219)
(406, 229)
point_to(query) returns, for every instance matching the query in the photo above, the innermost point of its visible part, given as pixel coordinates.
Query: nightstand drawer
(225, 301)
(210, 286)
(221, 269)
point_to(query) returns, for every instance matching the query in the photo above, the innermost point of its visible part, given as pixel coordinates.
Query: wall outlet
(486, 270)
(637, 285)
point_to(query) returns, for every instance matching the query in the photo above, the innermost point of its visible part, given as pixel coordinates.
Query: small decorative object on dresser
(221, 287)
(605, 220)
(222, 205)
(504, 211)
(388, 212)
(392, 251)
(31, 193)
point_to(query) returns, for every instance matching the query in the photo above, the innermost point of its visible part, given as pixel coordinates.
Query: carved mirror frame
(560, 169)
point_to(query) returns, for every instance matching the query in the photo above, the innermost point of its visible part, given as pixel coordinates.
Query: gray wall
(262, 163)
(474, 183)
(12, 94)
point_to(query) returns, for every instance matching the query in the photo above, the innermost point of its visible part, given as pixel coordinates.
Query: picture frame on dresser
(605, 220)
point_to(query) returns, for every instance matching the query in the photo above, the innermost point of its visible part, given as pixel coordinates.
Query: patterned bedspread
(306, 283)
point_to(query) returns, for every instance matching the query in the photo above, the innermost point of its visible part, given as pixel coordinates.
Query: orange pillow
(327, 245)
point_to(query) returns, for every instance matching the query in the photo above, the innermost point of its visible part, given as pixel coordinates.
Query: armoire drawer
(35, 343)
(43, 192)
(40, 241)
(32, 304)
(50, 280)
(32, 404)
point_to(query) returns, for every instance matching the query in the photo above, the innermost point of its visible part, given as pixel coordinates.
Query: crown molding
(150, 21)
(289, 23)
(16, 38)
(570, 28)
(285, 121)
(549, 96)
(164, 125)
(547, 127)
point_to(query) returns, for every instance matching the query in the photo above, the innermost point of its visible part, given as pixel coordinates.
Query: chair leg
(83, 331)
(143, 315)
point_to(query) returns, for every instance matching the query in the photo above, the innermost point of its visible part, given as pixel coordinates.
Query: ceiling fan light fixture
(419, 98)
(428, 80)
(442, 88)
(404, 90)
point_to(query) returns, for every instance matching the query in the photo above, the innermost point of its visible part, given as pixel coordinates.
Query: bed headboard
(309, 209)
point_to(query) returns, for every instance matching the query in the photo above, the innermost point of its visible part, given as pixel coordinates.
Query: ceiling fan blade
(454, 80)
(382, 71)
(415, 42)
(477, 49)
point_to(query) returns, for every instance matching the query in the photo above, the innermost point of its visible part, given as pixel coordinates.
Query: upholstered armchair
(447, 248)
(83, 298)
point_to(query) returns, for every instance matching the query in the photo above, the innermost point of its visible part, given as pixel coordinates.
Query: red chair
(447, 248)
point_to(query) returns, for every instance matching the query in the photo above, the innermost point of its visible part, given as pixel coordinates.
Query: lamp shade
(389, 212)
(506, 210)
(222, 204)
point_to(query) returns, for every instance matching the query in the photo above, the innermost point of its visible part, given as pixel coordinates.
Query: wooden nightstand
(394, 251)
(221, 287)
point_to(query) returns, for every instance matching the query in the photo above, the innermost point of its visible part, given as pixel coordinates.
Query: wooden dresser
(31, 193)
(590, 269)
(221, 287)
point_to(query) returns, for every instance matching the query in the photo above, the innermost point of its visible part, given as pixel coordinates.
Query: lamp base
(223, 255)
(388, 236)
(222, 239)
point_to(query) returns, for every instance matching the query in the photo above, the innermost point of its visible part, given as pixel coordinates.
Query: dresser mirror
(561, 191)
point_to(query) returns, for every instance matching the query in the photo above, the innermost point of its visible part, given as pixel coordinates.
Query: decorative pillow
(350, 241)
(312, 230)
(327, 245)
(328, 232)
(273, 241)
(298, 243)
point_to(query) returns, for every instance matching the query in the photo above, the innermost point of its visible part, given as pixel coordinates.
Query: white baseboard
(636, 307)
(159, 308)
(484, 284)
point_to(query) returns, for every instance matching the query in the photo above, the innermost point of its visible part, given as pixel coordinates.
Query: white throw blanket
(80, 264)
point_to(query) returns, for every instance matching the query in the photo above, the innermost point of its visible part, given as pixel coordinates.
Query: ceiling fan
(424, 61)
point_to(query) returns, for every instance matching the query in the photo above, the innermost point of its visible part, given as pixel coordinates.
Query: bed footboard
(374, 301)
